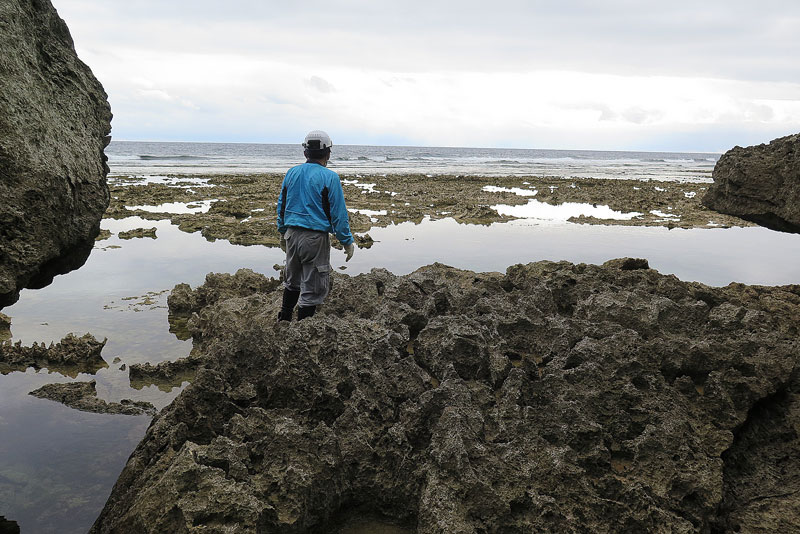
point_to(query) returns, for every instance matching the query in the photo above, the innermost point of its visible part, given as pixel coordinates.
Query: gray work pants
(308, 265)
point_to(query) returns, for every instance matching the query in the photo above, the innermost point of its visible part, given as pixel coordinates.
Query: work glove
(283, 243)
(348, 251)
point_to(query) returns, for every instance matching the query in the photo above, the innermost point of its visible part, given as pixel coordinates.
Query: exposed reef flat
(241, 208)
(70, 356)
(554, 398)
(83, 396)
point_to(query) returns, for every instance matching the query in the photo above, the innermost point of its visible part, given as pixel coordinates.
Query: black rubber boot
(287, 308)
(305, 311)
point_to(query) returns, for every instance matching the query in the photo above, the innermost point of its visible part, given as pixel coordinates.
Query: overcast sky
(677, 75)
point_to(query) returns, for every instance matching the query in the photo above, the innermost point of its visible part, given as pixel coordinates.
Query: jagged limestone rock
(554, 398)
(54, 125)
(760, 183)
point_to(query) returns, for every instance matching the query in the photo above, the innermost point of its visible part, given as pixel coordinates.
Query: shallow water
(57, 465)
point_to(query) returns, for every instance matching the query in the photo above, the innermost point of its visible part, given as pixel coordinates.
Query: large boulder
(54, 125)
(760, 184)
(554, 398)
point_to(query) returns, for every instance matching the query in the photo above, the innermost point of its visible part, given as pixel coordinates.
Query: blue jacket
(312, 197)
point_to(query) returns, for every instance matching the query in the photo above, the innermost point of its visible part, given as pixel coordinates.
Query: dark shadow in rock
(8, 527)
(761, 476)
(773, 222)
(355, 521)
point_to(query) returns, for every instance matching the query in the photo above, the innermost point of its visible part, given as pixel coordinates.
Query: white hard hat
(317, 140)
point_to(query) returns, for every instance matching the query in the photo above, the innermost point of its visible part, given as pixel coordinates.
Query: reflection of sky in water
(80, 454)
(717, 256)
(516, 190)
(174, 181)
(369, 213)
(535, 209)
(201, 206)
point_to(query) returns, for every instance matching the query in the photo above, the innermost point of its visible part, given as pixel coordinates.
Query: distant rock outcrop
(555, 398)
(54, 125)
(760, 184)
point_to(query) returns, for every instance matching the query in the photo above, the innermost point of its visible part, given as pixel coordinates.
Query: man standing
(310, 206)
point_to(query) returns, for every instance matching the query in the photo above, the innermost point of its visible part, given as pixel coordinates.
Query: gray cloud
(320, 84)
(736, 40)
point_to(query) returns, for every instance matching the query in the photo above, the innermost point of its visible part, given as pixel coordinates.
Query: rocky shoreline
(552, 398)
(241, 207)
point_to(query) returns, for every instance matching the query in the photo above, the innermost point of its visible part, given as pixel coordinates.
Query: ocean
(149, 158)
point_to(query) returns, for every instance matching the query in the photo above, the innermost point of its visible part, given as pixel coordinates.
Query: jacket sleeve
(340, 221)
(282, 208)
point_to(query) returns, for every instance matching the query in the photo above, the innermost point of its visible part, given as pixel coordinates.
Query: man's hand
(283, 243)
(348, 251)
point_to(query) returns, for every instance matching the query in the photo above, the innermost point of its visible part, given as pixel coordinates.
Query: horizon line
(426, 146)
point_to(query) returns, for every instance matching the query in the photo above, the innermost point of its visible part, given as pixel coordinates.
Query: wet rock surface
(760, 183)
(83, 396)
(70, 356)
(54, 123)
(553, 398)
